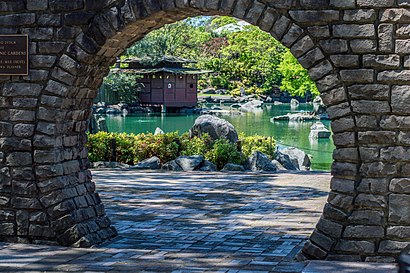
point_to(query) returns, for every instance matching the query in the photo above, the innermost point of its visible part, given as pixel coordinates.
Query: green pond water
(295, 134)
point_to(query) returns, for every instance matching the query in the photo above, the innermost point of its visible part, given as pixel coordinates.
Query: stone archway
(356, 51)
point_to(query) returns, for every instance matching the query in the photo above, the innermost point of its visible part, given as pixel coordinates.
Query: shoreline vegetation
(131, 149)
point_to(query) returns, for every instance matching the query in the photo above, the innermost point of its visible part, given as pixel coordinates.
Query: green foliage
(196, 145)
(164, 146)
(179, 39)
(296, 79)
(248, 58)
(131, 149)
(224, 152)
(251, 144)
(126, 85)
(99, 146)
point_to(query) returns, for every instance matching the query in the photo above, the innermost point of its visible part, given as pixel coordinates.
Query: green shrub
(164, 146)
(196, 145)
(224, 152)
(98, 146)
(251, 144)
(131, 149)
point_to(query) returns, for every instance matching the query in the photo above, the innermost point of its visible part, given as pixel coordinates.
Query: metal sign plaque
(13, 55)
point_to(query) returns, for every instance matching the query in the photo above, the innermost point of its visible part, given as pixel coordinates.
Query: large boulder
(230, 167)
(172, 166)
(285, 161)
(153, 163)
(260, 162)
(189, 163)
(208, 166)
(215, 127)
(298, 157)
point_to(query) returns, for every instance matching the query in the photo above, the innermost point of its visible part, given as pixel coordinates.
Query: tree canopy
(241, 55)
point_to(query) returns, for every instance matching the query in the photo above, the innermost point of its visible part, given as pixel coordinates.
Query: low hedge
(131, 148)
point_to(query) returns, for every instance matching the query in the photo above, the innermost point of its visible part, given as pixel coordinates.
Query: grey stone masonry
(356, 51)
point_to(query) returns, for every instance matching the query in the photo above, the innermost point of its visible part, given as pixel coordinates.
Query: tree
(126, 85)
(296, 79)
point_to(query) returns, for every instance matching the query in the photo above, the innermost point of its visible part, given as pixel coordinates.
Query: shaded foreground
(195, 222)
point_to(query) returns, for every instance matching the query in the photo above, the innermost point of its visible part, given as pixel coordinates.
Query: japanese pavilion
(166, 83)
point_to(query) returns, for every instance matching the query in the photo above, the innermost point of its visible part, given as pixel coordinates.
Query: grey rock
(215, 127)
(189, 163)
(158, 131)
(153, 163)
(230, 167)
(260, 162)
(300, 160)
(208, 166)
(172, 166)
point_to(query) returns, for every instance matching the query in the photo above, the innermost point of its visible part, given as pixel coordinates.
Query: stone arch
(356, 51)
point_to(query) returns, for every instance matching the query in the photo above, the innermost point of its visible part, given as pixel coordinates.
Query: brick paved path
(194, 223)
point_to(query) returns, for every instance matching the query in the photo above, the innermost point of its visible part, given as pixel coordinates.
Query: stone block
(319, 31)
(334, 46)
(332, 213)
(386, 37)
(344, 139)
(370, 107)
(328, 83)
(400, 98)
(311, 57)
(343, 185)
(19, 159)
(314, 16)
(354, 31)
(400, 185)
(341, 201)
(345, 61)
(363, 46)
(373, 185)
(357, 75)
(346, 155)
(311, 250)
(398, 212)
(363, 232)
(367, 217)
(302, 46)
(360, 15)
(364, 200)
(401, 232)
(292, 35)
(392, 247)
(322, 240)
(377, 137)
(358, 247)
(366, 91)
(280, 26)
(375, 3)
(378, 169)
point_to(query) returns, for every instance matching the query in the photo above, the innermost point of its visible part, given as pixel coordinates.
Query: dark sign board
(13, 55)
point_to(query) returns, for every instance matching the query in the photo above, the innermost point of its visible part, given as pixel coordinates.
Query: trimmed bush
(224, 152)
(255, 143)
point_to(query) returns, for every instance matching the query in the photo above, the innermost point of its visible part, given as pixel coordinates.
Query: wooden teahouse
(165, 83)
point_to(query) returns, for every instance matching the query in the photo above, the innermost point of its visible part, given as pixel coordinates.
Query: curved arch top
(356, 51)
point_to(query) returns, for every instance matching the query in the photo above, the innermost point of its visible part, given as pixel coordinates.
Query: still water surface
(294, 134)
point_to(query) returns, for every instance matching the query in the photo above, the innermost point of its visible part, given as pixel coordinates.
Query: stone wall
(355, 50)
